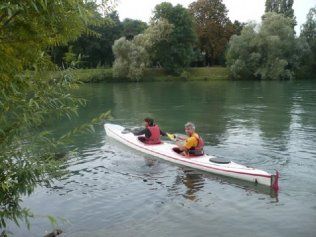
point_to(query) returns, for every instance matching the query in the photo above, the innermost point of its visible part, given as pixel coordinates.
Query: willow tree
(29, 98)
(270, 51)
(132, 56)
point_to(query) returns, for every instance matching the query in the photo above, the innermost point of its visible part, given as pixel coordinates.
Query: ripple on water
(113, 191)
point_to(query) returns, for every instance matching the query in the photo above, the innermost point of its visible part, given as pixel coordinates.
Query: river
(111, 190)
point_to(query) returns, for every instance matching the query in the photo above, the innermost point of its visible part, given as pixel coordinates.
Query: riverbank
(155, 74)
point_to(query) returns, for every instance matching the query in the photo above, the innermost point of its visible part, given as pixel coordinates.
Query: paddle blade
(171, 136)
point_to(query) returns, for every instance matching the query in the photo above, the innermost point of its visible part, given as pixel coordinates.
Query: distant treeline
(201, 35)
(207, 39)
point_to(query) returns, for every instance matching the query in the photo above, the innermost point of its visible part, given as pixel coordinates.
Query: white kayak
(206, 162)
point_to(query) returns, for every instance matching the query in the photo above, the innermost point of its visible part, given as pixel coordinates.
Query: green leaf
(52, 220)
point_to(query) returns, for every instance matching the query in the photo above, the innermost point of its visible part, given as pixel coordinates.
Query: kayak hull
(165, 152)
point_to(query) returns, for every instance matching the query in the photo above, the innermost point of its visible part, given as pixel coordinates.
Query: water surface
(112, 190)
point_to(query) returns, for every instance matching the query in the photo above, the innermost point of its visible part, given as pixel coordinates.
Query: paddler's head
(189, 128)
(149, 122)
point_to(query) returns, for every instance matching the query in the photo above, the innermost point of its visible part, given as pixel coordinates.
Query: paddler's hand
(179, 143)
(181, 138)
(171, 136)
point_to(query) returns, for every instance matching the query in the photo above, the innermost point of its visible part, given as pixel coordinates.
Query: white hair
(190, 125)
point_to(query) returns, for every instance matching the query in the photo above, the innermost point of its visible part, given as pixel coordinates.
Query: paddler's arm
(186, 145)
(141, 132)
(182, 147)
(181, 138)
(162, 133)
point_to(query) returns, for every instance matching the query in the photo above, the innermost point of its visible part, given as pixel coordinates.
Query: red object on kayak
(275, 182)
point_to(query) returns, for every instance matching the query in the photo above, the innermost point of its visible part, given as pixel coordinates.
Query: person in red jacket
(151, 131)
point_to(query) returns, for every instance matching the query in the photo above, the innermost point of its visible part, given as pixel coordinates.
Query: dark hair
(150, 121)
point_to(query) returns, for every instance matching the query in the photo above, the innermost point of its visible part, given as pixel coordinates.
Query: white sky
(241, 10)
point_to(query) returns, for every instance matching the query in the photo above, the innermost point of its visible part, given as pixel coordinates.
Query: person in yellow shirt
(193, 144)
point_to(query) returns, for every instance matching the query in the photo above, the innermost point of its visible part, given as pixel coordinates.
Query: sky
(241, 10)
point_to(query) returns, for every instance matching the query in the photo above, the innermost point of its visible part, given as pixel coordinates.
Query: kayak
(205, 162)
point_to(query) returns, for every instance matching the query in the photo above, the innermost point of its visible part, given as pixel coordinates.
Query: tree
(133, 27)
(308, 33)
(242, 56)
(272, 6)
(309, 27)
(94, 49)
(132, 55)
(271, 53)
(176, 52)
(97, 48)
(29, 99)
(238, 26)
(284, 7)
(213, 28)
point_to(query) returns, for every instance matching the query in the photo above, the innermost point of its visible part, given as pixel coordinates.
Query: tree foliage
(308, 33)
(176, 52)
(131, 28)
(284, 7)
(271, 53)
(29, 99)
(97, 49)
(213, 28)
(94, 49)
(132, 56)
(309, 27)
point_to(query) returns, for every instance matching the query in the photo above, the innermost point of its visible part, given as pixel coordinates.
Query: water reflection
(268, 125)
(214, 107)
(187, 183)
(149, 161)
(249, 188)
(193, 182)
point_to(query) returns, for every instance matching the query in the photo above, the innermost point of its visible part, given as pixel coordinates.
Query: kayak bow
(206, 162)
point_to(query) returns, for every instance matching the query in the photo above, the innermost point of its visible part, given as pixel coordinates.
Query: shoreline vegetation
(38, 37)
(95, 75)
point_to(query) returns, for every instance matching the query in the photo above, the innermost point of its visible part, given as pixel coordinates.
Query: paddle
(177, 137)
(171, 136)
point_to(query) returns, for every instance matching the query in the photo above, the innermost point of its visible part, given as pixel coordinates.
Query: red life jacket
(155, 135)
(200, 144)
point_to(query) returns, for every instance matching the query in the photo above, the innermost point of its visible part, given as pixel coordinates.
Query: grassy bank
(94, 75)
(155, 74)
